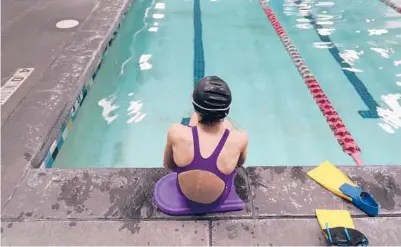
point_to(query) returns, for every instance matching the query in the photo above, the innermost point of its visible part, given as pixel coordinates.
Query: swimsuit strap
(217, 150)
(195, 138)
(220, 145)
(210, 163)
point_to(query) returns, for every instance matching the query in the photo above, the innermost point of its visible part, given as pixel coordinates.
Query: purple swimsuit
(210, 165)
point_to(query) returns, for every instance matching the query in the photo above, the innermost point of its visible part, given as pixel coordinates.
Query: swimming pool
(146, 79)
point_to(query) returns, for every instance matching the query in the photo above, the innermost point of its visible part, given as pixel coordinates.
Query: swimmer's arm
(244, 151)
(168, 160)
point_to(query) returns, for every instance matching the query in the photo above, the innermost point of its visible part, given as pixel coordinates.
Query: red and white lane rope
(341, 133)
(392, 5)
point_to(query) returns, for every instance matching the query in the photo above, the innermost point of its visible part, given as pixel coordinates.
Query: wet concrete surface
(30, 39)
(98, 233)
(300, 232)
(288, 191)
(99, 194)
(63, 60)
(382, 182)
(122, 199)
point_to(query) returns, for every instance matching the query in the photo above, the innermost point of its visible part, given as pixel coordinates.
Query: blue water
(158, 96)
(147, 77)
(371, 32)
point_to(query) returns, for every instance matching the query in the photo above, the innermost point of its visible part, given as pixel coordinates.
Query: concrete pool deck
(113, 206)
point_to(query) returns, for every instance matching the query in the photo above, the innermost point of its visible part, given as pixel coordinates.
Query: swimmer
(206, 154)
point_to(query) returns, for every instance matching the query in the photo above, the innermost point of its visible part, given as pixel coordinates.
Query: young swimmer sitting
(206, 154)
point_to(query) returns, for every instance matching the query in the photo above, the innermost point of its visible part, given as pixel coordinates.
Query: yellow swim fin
(338, 228)
(334, 218)
(337, 182)
(331, 178)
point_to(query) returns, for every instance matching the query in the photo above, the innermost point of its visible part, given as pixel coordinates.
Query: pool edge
(47, 155)
(122, 194)
(38, 122)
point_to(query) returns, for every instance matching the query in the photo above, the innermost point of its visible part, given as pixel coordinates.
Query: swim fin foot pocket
(334, 180)
(361, 199)
(342, 236)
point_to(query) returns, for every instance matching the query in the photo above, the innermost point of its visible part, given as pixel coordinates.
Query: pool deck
(78, 206)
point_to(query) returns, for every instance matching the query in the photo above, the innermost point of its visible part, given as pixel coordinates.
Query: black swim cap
(212, 98)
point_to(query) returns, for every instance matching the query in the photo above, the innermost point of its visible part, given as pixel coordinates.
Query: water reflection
(158, 16)
(391, 116)
(108, 107)
(323, 45)
(383, 52)
(325, 31)
(350, 56)
(377, 31)
(160, 6)
(134, 112)
(144, 63)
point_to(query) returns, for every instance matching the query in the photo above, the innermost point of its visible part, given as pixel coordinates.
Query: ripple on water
(383, 52)
(323, 45)
(390, 117)
(325, 31)
(325, 4)
(377, 31)
(108, 108)
(350, 56)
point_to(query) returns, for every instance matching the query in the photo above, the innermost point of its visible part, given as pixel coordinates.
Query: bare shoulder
(240, 136)
(175, 127)
(176, 130)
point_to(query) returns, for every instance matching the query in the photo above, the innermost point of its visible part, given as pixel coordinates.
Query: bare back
(204, 186)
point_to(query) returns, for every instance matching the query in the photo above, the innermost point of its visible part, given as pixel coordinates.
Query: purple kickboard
(169, 200)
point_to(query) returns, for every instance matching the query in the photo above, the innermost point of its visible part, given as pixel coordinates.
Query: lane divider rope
(341, 133)
(392, 5)
(351, 76)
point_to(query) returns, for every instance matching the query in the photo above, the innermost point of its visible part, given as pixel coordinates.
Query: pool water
(367, 35)
(146, 80)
